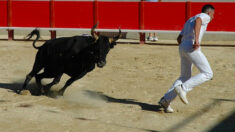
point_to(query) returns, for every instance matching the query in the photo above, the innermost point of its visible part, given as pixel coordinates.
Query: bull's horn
(118, 36)
(94, 35)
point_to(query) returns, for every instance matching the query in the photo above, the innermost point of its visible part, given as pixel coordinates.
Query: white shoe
(181, 93)
(165, 105)
(155, 38)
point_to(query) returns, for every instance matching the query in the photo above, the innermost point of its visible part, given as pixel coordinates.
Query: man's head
(102, 46)
(208, 9)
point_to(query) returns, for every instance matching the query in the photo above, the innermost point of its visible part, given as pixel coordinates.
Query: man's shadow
(144, 106)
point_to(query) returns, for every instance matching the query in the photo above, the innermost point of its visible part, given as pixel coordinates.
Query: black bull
(74, 56)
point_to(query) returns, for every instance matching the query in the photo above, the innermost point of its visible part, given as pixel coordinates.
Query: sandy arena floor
(122, 96)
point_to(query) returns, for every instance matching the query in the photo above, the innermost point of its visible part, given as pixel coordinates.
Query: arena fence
(139, 17)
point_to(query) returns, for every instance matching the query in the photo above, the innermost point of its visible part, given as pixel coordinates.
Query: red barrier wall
(3, 14)
(30, 14)
(74, 14)
(111, 15)
(224, 16)
(164, 15)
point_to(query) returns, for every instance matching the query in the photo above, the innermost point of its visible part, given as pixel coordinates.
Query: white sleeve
(205, 19)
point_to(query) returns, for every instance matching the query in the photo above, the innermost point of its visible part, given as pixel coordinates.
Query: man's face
(211, 14)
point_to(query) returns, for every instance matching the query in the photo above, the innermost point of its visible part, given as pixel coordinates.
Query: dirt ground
(122, 96)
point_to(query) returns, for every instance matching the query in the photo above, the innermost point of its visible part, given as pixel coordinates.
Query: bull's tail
(30, 35)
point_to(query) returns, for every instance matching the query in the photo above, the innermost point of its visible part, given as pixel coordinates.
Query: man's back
(188, 30)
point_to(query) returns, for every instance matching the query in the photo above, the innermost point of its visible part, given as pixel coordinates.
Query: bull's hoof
(25, 92)
(60, 92)
(17, 91)
(45, 90)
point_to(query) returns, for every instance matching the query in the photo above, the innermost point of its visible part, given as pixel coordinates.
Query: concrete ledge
(162, 35)
(208, 36)
(174, 42)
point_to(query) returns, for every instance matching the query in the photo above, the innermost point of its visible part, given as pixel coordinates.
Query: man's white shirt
(188, 30)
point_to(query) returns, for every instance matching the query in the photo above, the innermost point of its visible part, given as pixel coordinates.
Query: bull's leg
(46, 88)
(70, 81)
(36, 68)
(55, 81)
(27, 80)
(38, 78)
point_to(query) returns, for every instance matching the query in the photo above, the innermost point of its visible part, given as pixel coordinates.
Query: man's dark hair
(207, 7)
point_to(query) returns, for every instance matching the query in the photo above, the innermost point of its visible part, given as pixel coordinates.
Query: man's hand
(196, 46)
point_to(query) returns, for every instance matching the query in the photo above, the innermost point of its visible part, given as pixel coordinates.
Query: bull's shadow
(32, 87)
(144, 106)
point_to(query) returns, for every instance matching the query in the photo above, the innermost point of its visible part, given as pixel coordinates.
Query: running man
(190, 52)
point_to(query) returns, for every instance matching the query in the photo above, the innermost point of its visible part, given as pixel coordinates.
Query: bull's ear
(111, 40)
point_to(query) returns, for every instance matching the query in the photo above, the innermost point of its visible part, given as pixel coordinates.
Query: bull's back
(68, 44)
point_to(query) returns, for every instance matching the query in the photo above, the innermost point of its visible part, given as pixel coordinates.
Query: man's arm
(197, 29)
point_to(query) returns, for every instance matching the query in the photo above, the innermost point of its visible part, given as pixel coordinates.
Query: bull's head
(102, 45)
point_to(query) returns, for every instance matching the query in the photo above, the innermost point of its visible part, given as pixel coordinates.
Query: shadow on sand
(96, 95)
(144, 106)
(32, 87)
(227, 125)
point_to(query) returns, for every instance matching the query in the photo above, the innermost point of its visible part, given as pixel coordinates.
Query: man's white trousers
(188, 59)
